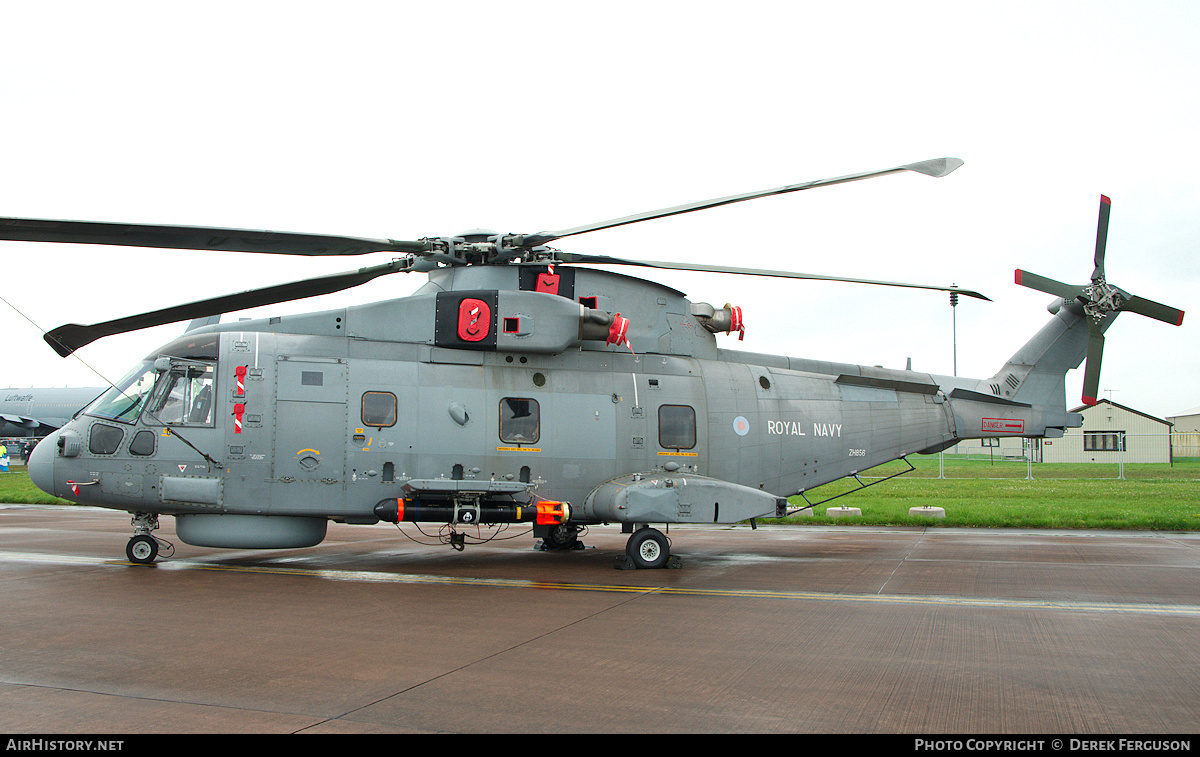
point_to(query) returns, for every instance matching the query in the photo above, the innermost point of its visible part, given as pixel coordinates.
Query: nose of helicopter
(40, 464)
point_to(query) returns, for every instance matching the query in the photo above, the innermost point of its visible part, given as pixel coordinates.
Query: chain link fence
(1078, 454)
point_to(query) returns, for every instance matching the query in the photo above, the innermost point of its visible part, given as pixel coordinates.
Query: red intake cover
(474, 320)
(547, 282)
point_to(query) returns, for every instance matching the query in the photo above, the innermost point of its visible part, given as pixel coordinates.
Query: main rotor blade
(1154, 310)
(1091, 369)
(937, 168)
(196, 238)
(1101, 237)
(606, 260)
(70, 337)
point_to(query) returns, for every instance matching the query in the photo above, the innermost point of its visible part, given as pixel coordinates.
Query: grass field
(15, 487)
(979, 494)
(982, 494)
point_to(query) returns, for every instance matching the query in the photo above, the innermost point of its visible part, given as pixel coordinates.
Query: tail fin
(1036, 373)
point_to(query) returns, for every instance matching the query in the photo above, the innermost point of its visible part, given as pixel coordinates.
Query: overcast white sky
(407, 119)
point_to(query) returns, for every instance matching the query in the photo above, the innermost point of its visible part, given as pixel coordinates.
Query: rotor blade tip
(937, 168)
(1179, 320)
(1017, 275)
(1106, 199)
(1089, 401)
(51, 338)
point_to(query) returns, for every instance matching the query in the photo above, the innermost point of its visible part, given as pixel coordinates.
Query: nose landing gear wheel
(142, 549)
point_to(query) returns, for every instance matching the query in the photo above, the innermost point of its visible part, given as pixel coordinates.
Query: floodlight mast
(954, 326)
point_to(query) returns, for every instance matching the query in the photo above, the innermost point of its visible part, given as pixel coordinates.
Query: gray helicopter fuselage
(323, 416)
(513, 388)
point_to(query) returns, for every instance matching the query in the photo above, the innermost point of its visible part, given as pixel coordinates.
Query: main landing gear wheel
(648, 548)
(142, 549)
(562, 537)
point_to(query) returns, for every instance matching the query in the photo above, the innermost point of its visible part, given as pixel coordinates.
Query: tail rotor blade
(1101, 237)
(1091, 370)
(1043, 284)
(1152, 309)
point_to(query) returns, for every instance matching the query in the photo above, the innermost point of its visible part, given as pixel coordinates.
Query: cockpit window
(174, 386)
(184, 395)
(124, 401)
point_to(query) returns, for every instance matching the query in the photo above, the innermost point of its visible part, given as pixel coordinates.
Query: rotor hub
(1102, 299)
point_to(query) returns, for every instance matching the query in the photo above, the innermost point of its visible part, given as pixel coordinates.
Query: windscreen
(124, 401)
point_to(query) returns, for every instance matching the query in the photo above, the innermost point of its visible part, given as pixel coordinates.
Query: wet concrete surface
(784, 629)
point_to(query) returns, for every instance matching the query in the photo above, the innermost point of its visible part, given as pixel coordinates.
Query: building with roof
(1188, 420)
(1111, 433)
(1186, 439)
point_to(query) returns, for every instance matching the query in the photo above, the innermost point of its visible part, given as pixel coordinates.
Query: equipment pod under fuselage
(395, 510)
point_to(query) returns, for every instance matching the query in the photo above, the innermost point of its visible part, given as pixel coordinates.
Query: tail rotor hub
(1102, 299)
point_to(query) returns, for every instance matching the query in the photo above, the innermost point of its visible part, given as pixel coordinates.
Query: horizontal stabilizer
(967, 394)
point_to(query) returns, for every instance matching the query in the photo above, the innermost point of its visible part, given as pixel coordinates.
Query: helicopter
(518, 385)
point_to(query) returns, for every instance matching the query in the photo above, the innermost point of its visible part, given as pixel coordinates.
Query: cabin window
(379, 409)
(520, 421)
(184, 395)
(676, 426)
